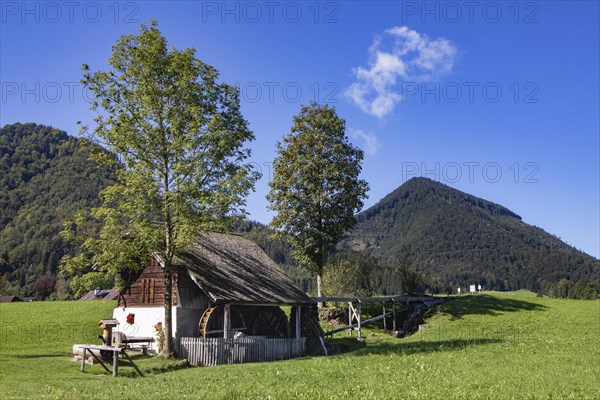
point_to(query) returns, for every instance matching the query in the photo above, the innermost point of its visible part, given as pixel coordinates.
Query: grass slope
(494, 345)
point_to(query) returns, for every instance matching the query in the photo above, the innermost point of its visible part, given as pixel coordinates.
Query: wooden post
(350, 311)
(226, 320)
(384, 323)
(394, 315)
(115, 363)
(298, 324)
(83, 360)
(359, 320)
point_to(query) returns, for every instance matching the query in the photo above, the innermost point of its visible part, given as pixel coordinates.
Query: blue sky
(498, 99)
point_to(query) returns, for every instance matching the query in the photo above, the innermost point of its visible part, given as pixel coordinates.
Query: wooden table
(115, 360)
(131, 342)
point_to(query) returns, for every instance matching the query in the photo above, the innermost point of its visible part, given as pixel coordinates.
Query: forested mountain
(45, 177)
(458, 239)
(423, 235)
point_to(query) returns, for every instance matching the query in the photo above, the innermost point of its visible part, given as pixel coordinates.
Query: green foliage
(179, 136)
(342, 279)
(455, 239)
(315, 189)
(355, 274)
(81, 284)
(500, 346)
(46, 178)
(44, 286)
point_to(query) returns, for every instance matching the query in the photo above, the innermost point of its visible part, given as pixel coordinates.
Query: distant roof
(106, 294)
(9, 299)
(231, 268)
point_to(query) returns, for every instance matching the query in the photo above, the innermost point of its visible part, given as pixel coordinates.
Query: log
(79, 351)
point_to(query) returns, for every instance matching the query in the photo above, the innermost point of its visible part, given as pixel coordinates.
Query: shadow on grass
(26, 356)
(391, 347)
(483, 304)
(341, 345)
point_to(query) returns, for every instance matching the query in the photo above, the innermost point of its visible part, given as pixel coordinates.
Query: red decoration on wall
(130, 319)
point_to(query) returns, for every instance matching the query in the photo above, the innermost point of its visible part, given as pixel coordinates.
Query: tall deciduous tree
(315, 189)
(179, 136)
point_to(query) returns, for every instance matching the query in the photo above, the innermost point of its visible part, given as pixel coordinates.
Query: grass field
(486, 346)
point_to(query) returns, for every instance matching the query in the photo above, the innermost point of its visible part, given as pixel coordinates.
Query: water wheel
(204, 321)
(211, 323)
(270, 322)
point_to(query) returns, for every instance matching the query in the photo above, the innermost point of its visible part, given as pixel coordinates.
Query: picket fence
(217, 351)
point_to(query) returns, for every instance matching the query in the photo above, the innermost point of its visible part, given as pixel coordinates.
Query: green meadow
(487, 346)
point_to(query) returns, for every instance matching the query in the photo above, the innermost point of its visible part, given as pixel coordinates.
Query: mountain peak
(458, 238)
(428, 191)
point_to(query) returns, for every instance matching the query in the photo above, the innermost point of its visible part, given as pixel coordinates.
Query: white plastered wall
(147, 317)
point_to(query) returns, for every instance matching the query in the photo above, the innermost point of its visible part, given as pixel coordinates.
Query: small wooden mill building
(227, 295)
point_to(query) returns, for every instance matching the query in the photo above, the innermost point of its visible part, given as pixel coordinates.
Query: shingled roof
(232, 269)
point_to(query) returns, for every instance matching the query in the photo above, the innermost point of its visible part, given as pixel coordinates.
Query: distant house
(97, 294)
(223, 285)
(10, 299)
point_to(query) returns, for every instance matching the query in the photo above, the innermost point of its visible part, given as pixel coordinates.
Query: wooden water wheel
(204, 321)
(270, 322)
(211, 323)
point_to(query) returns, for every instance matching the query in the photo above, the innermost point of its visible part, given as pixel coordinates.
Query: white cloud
(370, 141)
(399, 53)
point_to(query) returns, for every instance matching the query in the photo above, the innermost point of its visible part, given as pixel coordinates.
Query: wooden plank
(386, 299)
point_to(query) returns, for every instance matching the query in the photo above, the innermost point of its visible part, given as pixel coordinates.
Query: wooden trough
(355, 320)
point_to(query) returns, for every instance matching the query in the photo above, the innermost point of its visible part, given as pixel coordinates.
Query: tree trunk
(169, 251)
(168, 326)
(319, 304)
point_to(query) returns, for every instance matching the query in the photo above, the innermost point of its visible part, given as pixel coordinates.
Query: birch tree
(178, 135)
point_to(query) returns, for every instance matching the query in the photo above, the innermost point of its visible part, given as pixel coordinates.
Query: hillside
(460, 239)
(45, 178)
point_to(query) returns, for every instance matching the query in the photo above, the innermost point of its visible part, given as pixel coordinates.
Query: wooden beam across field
(377, 318)
(388, 299)
(355, 309)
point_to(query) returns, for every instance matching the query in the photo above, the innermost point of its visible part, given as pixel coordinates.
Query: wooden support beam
(386, 299)
(131, 361)
(226, 320)
(359, 321)
(384, 321)
(82, 368)
(298, 324)
(115, 371)
(394, 316)
(350, 317)
(351, 326)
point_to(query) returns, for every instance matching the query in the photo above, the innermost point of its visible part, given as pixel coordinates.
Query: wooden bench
(115, 357)
(136, 343)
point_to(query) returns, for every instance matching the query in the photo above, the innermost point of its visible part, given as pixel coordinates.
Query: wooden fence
(217, 351)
